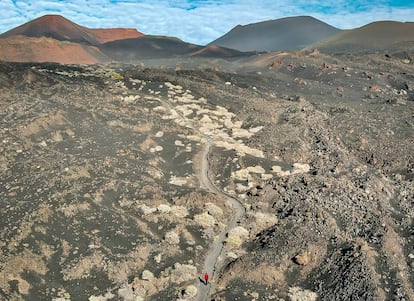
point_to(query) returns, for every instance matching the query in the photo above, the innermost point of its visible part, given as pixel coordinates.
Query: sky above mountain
(201, 21)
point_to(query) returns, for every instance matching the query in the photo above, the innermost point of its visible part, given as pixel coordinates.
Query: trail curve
(212, 257)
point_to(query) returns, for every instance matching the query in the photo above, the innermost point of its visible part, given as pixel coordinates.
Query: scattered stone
(172, 237)
(190, 291)
(147, 210)
(236, 236)
(183, 272)
(300, 168)
(147, 275)
(302, 259)
(163, 208)
(278, 170)
(205, 220)
(159, 134)
(213, 210)
(255, 295)
(157, 258)
(179, 211)
(300, 294)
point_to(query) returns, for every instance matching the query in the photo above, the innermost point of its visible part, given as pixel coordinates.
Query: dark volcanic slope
(219, 52)
(147, 47)
(384, 35)
(291, 33)
(154, 47)
(101, 196)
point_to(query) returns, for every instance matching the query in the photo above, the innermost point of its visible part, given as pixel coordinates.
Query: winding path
(212, 257)
(213, 254)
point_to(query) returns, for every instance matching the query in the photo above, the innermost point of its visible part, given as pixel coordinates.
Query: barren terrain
(287, 178)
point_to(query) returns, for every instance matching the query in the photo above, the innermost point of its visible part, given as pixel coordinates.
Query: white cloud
(197, 21)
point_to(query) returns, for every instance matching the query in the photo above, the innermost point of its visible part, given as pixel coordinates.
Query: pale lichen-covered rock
(243, 174)
(263, 221)
(241, 133)
(241, 188)
(179, 211)
(157, 258)
(300, 168)
(178, 181)
(205, 220)
(213, 210)
(159, 134)
(190, 291)
(236, 236)
(278, 170)
(172, 237)
(255, 129)
(300, 294)
(183, 272)
(147, 210)
(239, 231)
(147, 275)
(163, 208)
(266, 176)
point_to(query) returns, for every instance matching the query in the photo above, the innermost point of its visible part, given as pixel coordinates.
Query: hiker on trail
(205, 278)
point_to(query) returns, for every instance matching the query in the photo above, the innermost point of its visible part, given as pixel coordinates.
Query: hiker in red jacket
(205, 278)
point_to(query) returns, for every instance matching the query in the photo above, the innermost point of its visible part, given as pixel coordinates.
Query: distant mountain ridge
(381, 35)
(291, 33)
(53, 38)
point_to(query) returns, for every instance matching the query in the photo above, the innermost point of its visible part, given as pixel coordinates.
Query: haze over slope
(292, 33)
(383, 35)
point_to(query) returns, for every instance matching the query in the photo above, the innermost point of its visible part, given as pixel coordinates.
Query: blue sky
(201, 21)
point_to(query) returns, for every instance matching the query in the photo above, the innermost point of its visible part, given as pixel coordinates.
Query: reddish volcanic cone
(27, 49)
(53, 38)
(62, 29)
(104, 35)
(55, 27)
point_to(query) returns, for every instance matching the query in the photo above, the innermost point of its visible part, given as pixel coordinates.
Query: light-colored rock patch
(205, 220)
(172, 237)
(178, 181)
(163, 208)
(300, 168)
(256, 129)
(278, 170)
(300, 294)
(147, 210)
(236, 236)
(266, 176)
(263, 221)
(243, 174)
(147, 275)
(179, 211)
(190, 291)
(183, 272)
(241, 133)
(159, 134)
(213, 210)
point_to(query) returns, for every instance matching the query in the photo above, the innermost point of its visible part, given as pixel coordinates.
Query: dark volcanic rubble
(102, 197)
